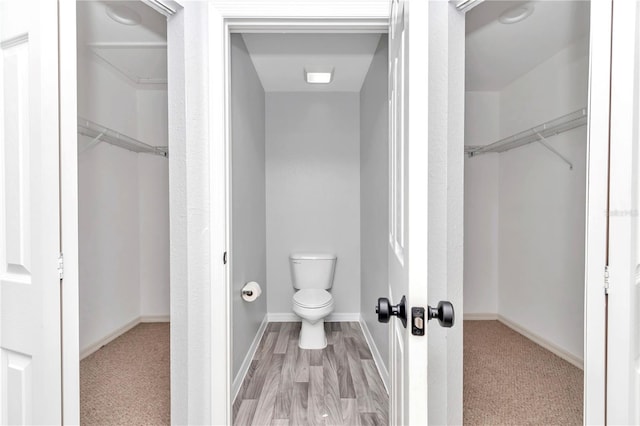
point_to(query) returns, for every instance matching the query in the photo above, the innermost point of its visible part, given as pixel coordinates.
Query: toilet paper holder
(251, 291)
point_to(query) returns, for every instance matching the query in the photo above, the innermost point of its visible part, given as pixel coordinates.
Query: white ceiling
(281, 59)
(497, 54)
(138, 52)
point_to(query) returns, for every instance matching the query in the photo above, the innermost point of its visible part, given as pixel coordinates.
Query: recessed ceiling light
(123, 14)
(516, 14)
(316, 77)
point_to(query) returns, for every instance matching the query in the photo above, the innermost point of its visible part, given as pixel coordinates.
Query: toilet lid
(312, 298)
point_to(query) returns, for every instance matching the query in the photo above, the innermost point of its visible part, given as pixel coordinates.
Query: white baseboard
(551, 347)
(246, 363)
(480, 317)
(291, 317)
(344, 317)
(108, 338)
(283, 317)
(154, 318)
(119, 332)
(377, 357)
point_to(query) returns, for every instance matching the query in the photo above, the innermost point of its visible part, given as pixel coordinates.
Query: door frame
(242, 16)
(623, 387)
(596, 223)
(70, 321)
(179, 30)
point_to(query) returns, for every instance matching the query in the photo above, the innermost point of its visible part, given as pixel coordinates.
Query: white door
(623, 364)
(425, 219)
(30, 354)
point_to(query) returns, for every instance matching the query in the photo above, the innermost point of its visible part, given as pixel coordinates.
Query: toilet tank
(312, 270)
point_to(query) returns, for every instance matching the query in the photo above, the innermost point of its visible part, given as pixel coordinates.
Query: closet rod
(100, 133)
(535, 134)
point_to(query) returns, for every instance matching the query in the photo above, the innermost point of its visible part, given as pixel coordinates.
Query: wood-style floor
(286, 385)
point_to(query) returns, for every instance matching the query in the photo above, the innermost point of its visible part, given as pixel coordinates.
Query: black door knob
(385, 310)
(444, 313)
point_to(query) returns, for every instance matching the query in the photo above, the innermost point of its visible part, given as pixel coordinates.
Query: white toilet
(312, 276)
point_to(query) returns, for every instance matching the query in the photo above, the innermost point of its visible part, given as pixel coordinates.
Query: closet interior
(123, 209)
(527, 69)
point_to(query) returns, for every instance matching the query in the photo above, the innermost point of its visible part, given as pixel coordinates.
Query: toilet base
(312, 336)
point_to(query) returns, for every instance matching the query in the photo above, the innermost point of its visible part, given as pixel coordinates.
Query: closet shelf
(103, 134)
(538, 133)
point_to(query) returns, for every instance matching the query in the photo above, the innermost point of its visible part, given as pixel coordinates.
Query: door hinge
(61, 266)
(606, 279)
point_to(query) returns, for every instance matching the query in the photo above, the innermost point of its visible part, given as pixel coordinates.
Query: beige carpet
(127, 381)
(509, 380)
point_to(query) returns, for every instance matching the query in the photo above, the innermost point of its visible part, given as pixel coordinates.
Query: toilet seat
(312, 298)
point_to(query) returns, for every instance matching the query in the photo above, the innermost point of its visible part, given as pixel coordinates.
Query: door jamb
(68, 107)
(622, 405)
(596, 213)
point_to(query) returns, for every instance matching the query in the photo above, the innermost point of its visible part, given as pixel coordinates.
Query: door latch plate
(417, 321)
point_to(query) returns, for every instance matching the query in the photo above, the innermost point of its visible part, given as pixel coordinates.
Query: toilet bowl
(312, 276)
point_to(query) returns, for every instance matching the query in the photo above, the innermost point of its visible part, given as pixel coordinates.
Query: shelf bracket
(162, 151)
(95, 141)
(544, 142)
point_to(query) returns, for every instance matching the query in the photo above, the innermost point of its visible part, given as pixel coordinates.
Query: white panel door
(417, 250)
(623, 366)
(398, 230)
(30, 354)
(397, 220)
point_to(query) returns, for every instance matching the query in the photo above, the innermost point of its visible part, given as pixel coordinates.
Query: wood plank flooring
(289, 386)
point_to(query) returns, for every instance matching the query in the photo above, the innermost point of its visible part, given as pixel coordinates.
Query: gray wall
(482, 119)
(542, 214)
(248, 204)
(313, 190)
(374, 196)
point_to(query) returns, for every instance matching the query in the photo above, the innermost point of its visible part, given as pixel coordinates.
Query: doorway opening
(123, 190)
(527, 73)
(308, 188)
